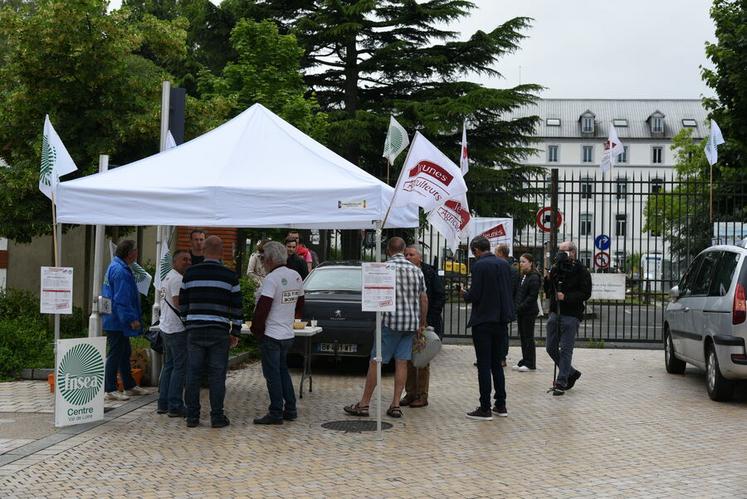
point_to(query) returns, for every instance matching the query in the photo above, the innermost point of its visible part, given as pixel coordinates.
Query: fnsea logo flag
(55, 160)
(396, 140)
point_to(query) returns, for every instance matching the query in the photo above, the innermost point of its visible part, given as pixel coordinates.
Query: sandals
(394, 412)
(356, 410)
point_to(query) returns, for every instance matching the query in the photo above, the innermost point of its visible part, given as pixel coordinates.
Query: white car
(706, 322)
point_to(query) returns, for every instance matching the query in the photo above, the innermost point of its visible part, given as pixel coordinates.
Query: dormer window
(587, 122)
(656, 123)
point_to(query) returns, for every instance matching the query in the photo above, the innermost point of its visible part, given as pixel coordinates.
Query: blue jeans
(171, 386)
(561, 334)
(275, 371)
(206, 346)
(117, 359)
(490, 340)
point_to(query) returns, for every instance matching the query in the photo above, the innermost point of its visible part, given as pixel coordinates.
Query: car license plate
(339, 347)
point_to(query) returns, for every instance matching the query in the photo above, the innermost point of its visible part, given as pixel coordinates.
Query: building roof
(635, 111)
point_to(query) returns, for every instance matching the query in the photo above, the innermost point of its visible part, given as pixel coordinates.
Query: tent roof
(255, 170)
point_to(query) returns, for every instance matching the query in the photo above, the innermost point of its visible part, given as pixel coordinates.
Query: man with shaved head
(211, 305)
(398, 329)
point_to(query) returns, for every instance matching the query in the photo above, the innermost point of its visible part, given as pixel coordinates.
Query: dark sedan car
(333, 297)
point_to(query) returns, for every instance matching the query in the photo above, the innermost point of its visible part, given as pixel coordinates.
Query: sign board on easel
(378, 283)
(79, 381)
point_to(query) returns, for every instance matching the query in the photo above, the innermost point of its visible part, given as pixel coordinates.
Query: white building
(571, 135)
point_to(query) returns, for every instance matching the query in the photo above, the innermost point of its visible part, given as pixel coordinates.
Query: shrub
(248, 290)
(16, 303)
(23, 344)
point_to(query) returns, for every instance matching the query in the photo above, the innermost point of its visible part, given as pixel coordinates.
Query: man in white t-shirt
(280, 302)
(171, 385)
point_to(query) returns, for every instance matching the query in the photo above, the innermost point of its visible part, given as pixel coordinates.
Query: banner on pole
(79, 381)
(496, 230)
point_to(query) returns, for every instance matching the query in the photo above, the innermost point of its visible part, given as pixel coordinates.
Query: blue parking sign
(602, 242)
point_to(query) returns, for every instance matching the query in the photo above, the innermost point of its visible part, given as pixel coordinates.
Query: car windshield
(334, 279)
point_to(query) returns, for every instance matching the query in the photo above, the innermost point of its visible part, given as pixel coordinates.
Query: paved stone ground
(627, 429)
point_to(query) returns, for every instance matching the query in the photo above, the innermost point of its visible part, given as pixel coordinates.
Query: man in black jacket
(295, 262)
(418, 379)
(492, 310)
(568, 285)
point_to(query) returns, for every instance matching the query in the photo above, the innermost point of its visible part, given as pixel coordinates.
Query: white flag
(55, 160)
(715, 139)
(464, 156)
(452, 220)
(142, 278)
(396, 140)
(170, 142)
(612, 148)
(428, 178)
(164, 266)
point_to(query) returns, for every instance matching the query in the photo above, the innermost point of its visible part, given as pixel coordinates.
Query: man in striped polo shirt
(211, 304)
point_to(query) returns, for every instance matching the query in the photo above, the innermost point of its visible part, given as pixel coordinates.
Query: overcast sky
(604, 49)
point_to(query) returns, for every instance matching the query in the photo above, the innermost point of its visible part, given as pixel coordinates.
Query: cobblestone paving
(627, 429)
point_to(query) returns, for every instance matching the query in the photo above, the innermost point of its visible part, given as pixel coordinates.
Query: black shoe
(220, 423)
(501, 411)
(178, 414)
(161, 411)
(572, 379)
(192, 423)
(558, 390)
(267, 419)
(290, 416)
(481, 414)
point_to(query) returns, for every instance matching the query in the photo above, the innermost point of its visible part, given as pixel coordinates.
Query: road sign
(546, 226)
(602, 242)
(602, 260)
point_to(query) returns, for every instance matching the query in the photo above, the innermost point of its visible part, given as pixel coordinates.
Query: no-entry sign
(546, 226)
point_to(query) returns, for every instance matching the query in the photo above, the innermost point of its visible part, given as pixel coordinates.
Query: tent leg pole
(379, 433)
(94, 320)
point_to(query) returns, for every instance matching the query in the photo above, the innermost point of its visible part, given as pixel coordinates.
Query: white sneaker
(516, 367)
(523, 369)
(136, 390)
(116, 396)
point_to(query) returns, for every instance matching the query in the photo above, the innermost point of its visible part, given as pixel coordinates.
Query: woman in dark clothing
(525, 302)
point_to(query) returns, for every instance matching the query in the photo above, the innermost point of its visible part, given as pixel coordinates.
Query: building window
(587, 124)
(657, 124)
(623, 156)
(620, 123)
(657, 186)
(552, 154)
(587, 155)
(585, 258)
(621, 223)
(621, 187)
(553, 122)
(657, 154)
(585, 223)
(587, 188)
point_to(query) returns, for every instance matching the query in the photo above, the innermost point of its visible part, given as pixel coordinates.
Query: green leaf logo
(49, 156)
(80, 374)
(139, 273)
(165, 265)
(394, 140)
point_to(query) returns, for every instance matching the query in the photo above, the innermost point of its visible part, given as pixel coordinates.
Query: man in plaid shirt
(398, 328)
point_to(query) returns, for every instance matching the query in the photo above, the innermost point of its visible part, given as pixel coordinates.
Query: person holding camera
(568, 285)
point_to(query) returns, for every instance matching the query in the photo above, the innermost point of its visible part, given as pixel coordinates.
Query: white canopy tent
(255, 170)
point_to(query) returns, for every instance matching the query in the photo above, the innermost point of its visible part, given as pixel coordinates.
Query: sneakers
(290, 416)
(558, 390)
(193, 423)
(523, 369)
(501, 411)
(116, 396)
(161, 411)
(136, 390)
(266, 419)
(572, 379)
(220, 423)
(178, 414)
(480, 414)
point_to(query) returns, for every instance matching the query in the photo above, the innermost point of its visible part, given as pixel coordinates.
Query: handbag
(425, 355)
(153, 335)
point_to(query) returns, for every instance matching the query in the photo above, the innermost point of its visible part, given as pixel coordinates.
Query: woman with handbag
(525, 302)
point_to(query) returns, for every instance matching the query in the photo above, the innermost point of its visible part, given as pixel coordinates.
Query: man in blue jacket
(123, 322)
(492, 310)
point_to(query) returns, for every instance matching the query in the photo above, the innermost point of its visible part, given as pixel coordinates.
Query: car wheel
(672, 363)
(719, 388)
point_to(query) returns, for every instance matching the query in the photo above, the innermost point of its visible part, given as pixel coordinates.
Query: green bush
(23, 344)
(16, 303)
(248, 290)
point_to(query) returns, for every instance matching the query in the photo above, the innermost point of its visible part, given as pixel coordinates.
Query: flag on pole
(396, 140)
(464, 156)
(142, 278)
(428, 178)
(170, 142)
(164, 265)
(452, 220)
(55, 160)
(612, 148)
(715, 139)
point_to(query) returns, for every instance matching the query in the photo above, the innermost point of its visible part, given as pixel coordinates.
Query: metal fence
(655, 225)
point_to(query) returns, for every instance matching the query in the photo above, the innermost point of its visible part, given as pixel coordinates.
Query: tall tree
(82, 66)
(728, 79)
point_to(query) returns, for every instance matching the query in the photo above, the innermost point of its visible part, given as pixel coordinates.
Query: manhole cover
(354, 426)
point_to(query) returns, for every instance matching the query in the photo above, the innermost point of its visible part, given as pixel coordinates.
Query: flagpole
(56, 241)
